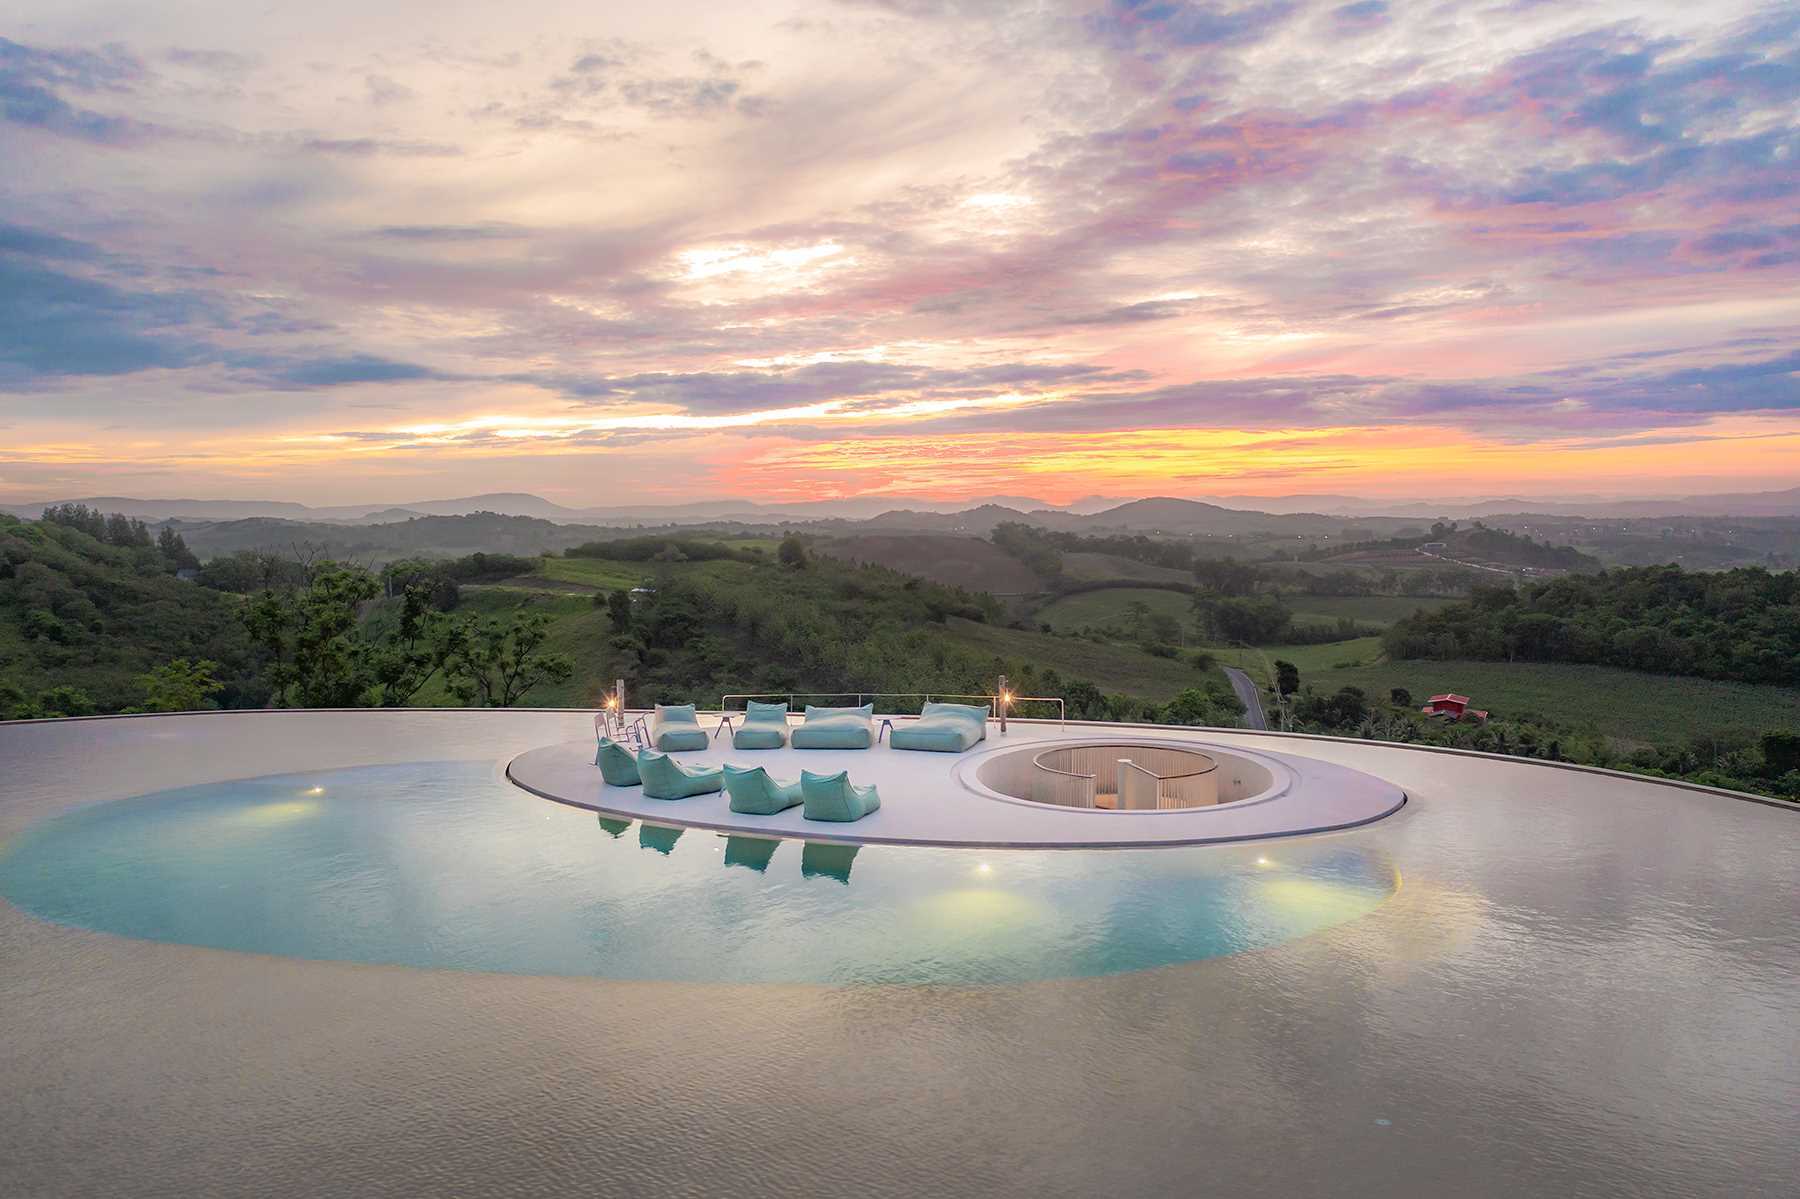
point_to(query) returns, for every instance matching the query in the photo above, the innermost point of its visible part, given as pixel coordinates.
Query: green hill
(76, 612)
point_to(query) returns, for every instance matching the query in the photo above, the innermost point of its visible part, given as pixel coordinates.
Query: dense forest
(89, 608)
(1739, 624)
(91, 625)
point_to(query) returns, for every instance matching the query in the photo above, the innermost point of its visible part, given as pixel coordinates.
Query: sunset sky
(338, 252)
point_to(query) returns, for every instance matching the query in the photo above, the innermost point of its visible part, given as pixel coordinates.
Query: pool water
(440, 865)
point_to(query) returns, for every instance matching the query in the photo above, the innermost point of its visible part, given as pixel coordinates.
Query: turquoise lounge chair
(753, 791)
(943, 728)
(819, 860)
(836, 728)
(665, 778)
(765, 727)
(659, 837)
(674, 727)
(833, 797)
(616, 764)
(753, 853)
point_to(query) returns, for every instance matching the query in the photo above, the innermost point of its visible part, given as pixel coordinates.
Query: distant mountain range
(978, 516)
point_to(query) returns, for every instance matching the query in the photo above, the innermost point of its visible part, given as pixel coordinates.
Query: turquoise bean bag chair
(836, 728)
(832, 797)
(765, 727)
(665, 778)
(754, 792)
(752, 853)
(616, 764)
(943, 728)
(659, 837)
(674, 727)
(819, 860)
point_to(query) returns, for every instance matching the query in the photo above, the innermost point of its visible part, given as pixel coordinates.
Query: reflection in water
(753, 852)
(436, 865)
(660, 837)
(828, 860)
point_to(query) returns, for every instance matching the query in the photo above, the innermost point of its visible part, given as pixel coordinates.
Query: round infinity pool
(439, 865)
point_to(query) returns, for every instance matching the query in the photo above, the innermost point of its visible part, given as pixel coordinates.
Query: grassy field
(1112, 668)
(1100, 567)
(967, 562)
(1333, 656)
(596, 572)
(1379, 610)
(1631, 708)
(1107, 609)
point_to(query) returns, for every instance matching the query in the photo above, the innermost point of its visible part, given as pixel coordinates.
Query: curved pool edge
(1208, 730)
(933, 799)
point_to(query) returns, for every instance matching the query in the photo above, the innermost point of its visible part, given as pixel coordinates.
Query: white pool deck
(936, 798)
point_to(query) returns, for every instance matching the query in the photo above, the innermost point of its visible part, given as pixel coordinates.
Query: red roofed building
(1453, 707)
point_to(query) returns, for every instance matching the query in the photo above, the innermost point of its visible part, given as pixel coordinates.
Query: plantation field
(1332, 656)
(1112, 668)
(596, 572)
(1630, 707)
(1084, 568)
(966, 562)
(1109, 608)
(1380, 610)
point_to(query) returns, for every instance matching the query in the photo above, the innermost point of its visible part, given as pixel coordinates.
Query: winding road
(1251, 698)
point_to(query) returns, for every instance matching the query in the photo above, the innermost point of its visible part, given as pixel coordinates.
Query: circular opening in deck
(1127, 776)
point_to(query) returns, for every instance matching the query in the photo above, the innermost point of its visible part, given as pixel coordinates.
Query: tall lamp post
(1002, 699)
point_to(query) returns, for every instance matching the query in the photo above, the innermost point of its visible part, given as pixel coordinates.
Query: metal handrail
(1159, 777)
(1062, 707)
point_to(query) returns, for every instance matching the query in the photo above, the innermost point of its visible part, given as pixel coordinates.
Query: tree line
(1741, 624)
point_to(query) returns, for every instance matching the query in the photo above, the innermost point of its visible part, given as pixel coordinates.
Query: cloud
(1162, 23)
(369, 147)
(354, 368)
(383, 90)
(32, 80)
(54, 324)
(716, 392)
(447, 233)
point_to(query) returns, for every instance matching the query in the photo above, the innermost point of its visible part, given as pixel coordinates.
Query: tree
(1253, 620)
(1287, 677)
(179, 685)
(405, 661)
(309, 638)
(1137, 620)
(496, 663)
(1227, 576)
(1400, 697)
(1203, 706)
(618, 609)
(1781, 752)
(65, 701)
(175, 551)
(792, 552)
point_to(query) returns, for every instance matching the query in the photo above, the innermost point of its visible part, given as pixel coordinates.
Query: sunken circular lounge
(364, 952)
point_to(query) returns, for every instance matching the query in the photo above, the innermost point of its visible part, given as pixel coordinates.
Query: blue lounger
(754, 792)
(833, 797)
(616, 764)
(674, 727)
(765, 727)
(943, 728)
(665, 778)
(836, 728)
